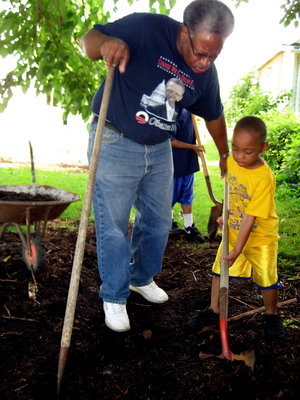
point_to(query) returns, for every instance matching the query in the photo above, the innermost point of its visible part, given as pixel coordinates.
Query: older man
(136, 165)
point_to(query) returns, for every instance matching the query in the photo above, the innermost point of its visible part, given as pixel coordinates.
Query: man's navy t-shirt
(154, 60)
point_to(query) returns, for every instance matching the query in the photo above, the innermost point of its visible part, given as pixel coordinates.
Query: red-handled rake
(248, 357)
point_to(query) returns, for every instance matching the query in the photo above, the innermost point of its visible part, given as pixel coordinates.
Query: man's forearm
(91, 44)
(112, 50)
(218, 131)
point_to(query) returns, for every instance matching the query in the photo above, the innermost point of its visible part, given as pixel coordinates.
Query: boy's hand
(220, 222)
(198, 149)
(232, 256)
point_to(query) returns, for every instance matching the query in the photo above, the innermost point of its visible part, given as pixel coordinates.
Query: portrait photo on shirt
(163, 102)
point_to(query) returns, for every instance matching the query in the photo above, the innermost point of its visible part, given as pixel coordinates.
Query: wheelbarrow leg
(2, 230)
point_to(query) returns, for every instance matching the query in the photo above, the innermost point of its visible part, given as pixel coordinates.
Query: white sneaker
(116, 317)
(151, 292)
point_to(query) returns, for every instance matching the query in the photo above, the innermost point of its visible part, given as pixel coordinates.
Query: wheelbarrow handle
(204, 164)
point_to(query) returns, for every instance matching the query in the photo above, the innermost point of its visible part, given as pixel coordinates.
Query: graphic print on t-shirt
(238, 200)
(162, 101)
(161, 106)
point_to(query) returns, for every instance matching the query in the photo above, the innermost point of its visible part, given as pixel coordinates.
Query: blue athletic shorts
(183, 190)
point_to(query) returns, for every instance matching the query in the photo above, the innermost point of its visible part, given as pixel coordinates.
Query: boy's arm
(244, 232)
(177, 144)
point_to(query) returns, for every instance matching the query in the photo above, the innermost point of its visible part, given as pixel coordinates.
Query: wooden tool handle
(203, 161)
(198, 140)
(82, 233)
(224, 275)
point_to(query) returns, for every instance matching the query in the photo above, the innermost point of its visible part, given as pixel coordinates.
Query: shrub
(284, 146)
(246, 98)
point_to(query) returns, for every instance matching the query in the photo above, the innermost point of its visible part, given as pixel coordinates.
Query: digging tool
(248, 357)
(216, 211)
(82, 232)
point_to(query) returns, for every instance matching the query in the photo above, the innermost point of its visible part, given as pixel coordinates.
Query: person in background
(253, 226)
(185, 160)
(135, 162)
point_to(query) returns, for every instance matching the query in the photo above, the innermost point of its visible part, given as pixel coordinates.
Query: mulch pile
(26, 197)
(158, 359)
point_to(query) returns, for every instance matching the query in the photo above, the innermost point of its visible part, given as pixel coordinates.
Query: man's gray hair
(211, 15)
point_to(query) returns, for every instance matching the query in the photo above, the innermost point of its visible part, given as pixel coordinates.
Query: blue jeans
(130, 174)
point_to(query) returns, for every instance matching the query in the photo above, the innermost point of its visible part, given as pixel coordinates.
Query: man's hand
(115, 52)
(223, 166)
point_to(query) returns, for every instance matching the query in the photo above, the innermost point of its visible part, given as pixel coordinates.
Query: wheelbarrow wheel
(36, 260)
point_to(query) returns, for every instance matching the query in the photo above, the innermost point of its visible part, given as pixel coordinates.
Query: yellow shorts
(260, 263)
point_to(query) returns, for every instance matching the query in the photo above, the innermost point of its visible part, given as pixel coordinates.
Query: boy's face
(246, 148)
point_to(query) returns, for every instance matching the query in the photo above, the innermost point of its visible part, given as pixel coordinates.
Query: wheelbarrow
(32, 205)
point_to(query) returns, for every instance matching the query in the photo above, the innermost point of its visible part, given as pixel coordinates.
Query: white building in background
(281, 73)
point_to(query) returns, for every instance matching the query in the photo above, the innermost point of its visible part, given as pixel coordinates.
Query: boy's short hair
(252, 124)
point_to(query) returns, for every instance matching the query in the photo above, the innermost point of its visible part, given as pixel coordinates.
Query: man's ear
(184, 32)
(265, 147)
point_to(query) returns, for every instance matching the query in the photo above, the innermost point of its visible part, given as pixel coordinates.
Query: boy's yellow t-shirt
(252, 191)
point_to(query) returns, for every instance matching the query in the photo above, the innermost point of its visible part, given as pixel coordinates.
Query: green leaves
(291, 12)
(284, 139)
(246, 98)
(44, 37)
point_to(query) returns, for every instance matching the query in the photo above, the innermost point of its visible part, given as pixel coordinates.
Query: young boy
(185, 161)
(253, 225)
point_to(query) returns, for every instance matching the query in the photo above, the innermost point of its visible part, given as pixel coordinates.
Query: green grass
(288, 207)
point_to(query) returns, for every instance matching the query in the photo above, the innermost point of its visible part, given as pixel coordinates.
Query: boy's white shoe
(116, 317)
(151, 292)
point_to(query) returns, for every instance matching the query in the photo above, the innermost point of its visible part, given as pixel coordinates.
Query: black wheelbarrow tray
(51, 203)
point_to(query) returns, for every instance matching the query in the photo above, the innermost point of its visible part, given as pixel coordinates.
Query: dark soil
(25, 197)
(159, 365)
